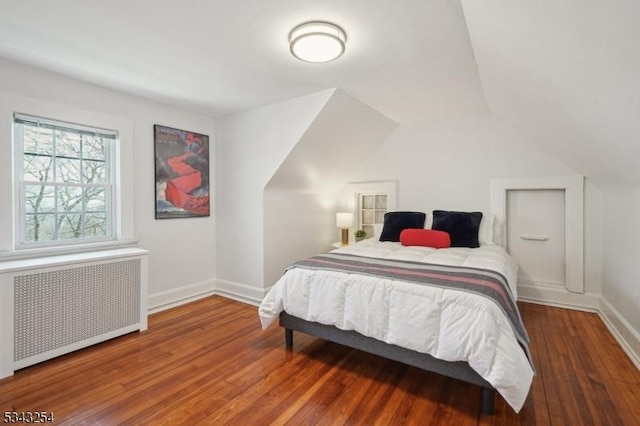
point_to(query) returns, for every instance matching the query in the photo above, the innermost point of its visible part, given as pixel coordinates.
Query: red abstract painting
(182, 173)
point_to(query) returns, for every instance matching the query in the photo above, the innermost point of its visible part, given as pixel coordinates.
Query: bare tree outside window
(66, 182)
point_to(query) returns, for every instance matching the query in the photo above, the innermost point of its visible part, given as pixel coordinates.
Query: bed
(416, 305)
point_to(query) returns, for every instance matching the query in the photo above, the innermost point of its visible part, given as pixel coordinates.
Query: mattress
(493, 257)
(448, 324)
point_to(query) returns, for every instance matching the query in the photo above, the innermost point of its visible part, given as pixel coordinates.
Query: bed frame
(458, 370)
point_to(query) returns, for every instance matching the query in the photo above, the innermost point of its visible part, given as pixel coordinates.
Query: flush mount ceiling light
(317, 41)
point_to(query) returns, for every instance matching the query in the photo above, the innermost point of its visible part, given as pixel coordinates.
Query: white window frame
(376, 225)
(21, 184)
(354, 190)
(125, 155)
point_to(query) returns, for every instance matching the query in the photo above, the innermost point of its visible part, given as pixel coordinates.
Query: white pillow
(429, 222)
(498, 232)
(485, 232)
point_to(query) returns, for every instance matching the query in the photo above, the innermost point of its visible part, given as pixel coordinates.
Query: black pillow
(462, 227)
(395, 222)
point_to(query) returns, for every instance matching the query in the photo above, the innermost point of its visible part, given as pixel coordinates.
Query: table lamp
(344, 221)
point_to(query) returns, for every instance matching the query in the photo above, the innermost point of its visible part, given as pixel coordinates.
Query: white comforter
(448, 324)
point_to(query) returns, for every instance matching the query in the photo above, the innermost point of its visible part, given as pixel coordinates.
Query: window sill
(60, 250)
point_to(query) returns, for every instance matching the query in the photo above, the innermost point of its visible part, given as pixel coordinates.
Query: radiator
(66, 303)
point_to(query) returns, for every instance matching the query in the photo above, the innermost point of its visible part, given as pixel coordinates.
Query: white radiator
(63, 303)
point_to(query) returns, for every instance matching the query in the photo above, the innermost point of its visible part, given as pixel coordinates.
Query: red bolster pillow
(425, 238)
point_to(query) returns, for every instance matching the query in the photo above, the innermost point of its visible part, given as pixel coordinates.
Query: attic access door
(572, 188)
(536, 235)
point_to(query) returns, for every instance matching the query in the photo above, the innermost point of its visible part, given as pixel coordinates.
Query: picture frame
(182, 188)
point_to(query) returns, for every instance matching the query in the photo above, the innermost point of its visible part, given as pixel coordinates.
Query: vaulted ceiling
(564, 73)
(410, 60)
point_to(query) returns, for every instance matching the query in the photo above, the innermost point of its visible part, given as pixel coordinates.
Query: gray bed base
(458, 370)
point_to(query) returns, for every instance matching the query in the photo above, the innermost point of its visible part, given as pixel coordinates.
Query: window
(369, 201)
(65, 178)
(371, 209)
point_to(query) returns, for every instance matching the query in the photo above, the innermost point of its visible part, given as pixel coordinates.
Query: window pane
(68, 170)
(38, 168)
(381, 202)
(70, 226)
(39, 227)
(96, 200)
(93, 148)
(70, 199)
(96, 225)
(68, 144)
(66, 183)
(368, 230)
(368, 201)
(37, 140)
(367, 216)
(39, 199)
(94, 171)
(380, 216)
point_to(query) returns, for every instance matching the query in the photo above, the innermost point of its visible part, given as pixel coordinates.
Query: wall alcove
(572, 187)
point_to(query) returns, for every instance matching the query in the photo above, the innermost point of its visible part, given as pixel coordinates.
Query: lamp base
(345, 236)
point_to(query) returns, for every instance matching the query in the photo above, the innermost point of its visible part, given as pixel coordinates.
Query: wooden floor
(209, 362)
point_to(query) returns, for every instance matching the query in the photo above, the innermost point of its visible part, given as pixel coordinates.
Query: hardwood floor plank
(599, 405)
(269, 406)
(400, 399)
(390, 396)
(427, 399)
(363, 365)
(534, 411)
(315, 374)
(607, 374)
(210, 362)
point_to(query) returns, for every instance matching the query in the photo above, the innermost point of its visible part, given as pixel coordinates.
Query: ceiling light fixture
(317, 41)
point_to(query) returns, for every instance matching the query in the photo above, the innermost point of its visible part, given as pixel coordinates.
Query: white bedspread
(445, 323)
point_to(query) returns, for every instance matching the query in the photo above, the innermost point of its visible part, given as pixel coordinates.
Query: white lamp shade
(317, 42)
(344, 220)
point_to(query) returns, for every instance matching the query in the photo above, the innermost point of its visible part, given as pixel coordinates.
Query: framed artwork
(182, 173)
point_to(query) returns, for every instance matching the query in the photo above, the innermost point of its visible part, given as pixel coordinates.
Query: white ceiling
(411, 59)
(564, 73)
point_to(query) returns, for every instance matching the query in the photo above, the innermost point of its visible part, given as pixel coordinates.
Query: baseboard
(231, 290)
(180, 296)
(558, 298)
(240, 292)
(623, 332)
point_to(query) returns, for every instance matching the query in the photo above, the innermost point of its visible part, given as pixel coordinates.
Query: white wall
(449, 165)
(621, 252)
(251, 147)
(300, 199)
(566, 74)
(182, 251)
(298, 224)
(280, 168)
